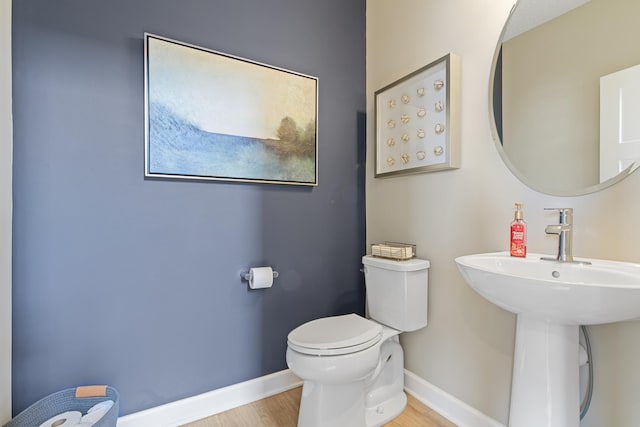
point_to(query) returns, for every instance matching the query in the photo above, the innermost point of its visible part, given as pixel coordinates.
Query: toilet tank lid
(413, 264)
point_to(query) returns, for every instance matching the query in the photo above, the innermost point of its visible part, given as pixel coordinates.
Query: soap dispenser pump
(518, 233)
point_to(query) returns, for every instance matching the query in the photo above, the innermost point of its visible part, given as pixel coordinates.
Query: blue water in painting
(177, 147)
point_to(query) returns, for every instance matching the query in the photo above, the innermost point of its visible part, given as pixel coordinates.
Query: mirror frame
(498, 143)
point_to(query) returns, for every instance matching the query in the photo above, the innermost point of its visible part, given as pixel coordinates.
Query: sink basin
(551, 299)
(565, 293)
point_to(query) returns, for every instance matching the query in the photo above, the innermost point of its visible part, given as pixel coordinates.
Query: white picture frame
(417, 121)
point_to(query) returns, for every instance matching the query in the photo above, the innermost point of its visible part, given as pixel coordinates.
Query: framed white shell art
(425, 103)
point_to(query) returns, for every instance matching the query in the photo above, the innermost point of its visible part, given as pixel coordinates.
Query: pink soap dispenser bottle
(518, 233)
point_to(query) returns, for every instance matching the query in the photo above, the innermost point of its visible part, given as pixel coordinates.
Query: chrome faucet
(564, 230)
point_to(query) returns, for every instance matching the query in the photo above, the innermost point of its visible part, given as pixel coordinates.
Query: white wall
(467, 347)
(5, 210)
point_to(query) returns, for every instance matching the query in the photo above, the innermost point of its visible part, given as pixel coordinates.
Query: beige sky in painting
(225, 95)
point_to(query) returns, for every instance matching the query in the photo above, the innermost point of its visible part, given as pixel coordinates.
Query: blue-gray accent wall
(134, 282)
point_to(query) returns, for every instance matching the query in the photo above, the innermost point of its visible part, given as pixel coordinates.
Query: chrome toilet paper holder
(246, 275)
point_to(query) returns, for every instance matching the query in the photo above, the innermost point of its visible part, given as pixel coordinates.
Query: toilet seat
(336, 335)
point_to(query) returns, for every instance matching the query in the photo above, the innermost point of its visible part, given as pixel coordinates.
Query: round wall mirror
(565, 93)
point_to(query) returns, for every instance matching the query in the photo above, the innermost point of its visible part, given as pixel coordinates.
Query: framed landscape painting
(214, 116)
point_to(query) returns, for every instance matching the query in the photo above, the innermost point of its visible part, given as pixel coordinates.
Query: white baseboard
(204, 405)
(445, 404)
(207, 404)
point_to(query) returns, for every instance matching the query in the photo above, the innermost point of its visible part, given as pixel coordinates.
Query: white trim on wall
(445, 404)
(6, 160)
(214, 402)
(207, 404)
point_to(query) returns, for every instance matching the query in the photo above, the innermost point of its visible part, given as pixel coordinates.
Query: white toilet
(352, 367)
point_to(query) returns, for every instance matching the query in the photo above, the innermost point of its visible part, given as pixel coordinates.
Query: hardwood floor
(281, 410)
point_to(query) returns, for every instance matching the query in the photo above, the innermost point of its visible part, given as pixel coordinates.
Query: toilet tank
(397, 292)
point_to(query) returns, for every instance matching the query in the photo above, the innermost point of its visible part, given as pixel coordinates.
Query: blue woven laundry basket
(72, 399)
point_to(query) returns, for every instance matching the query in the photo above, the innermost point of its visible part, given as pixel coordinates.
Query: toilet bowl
(352, 367)
(335, 349)
(344, 384)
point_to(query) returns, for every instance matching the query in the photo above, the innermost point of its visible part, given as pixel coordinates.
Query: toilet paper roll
(66, 419)
(260, 277)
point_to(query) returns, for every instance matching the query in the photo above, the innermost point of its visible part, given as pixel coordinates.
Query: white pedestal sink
(551, 300)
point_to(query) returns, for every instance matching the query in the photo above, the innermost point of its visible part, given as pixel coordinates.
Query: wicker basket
(393, 250)
(72, 399)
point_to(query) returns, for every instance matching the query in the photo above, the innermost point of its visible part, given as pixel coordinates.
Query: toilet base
(338, 406)
(386, 411)
(331, 405)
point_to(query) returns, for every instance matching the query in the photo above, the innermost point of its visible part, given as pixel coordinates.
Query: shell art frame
(417, 121)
